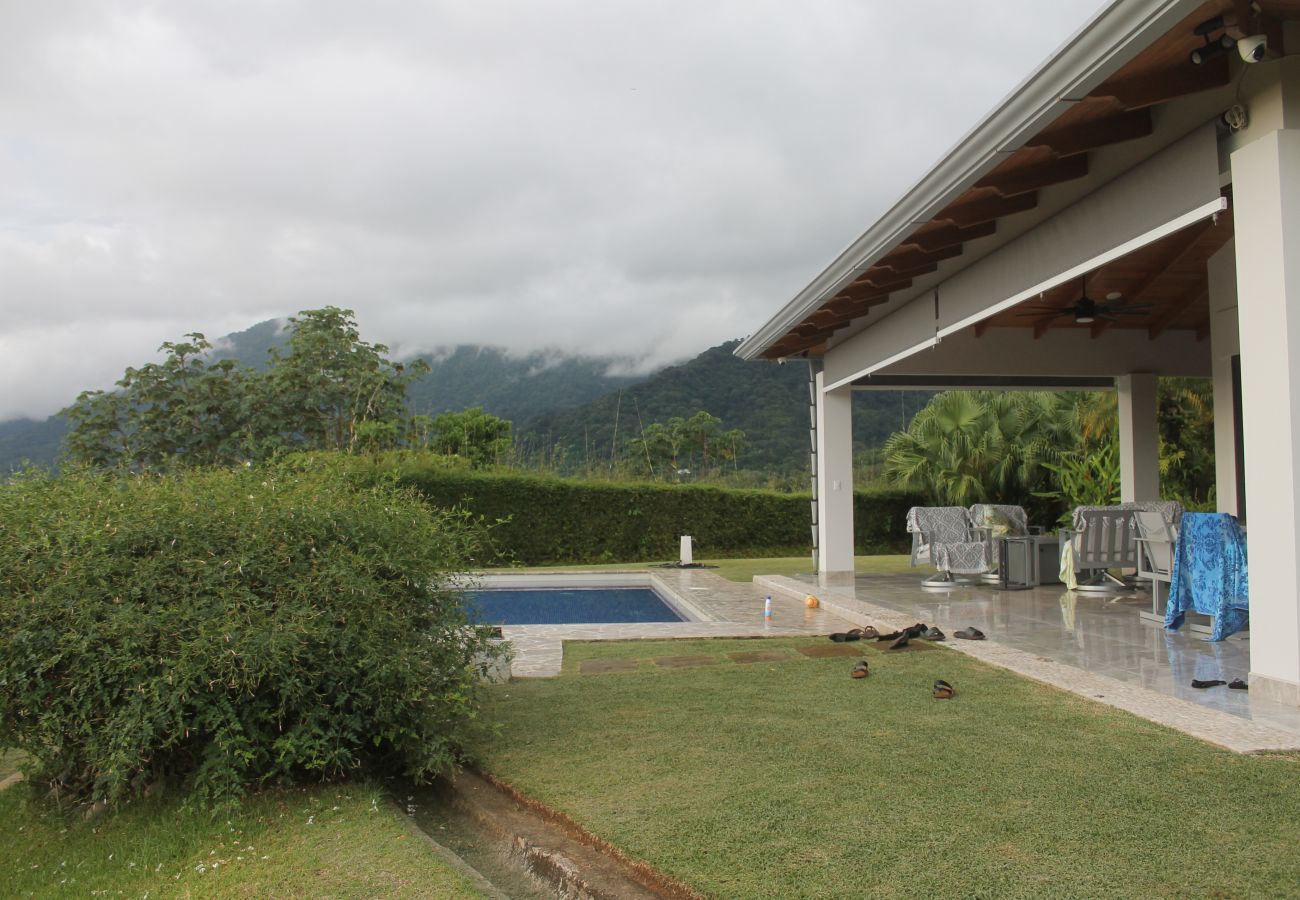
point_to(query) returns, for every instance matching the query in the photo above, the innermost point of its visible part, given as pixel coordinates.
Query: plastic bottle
(767, 611)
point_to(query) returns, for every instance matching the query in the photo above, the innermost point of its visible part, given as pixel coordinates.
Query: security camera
(1253, 48)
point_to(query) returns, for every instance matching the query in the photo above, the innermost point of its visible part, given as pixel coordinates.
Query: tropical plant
(976, 446)
(472, 434)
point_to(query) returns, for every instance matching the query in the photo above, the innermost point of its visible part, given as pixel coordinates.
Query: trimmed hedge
(556, 521)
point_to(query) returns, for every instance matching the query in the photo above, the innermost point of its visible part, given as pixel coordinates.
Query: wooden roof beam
(1162, 322)
(903, 260)
(1084, 136)
(1137, 92)
(939, 237)
(1178, 253)
(973, 212)
(1040, 175)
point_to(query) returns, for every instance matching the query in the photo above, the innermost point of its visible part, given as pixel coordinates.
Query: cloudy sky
(599, 176)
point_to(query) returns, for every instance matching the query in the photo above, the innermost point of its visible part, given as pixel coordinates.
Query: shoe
(943, 690)
(1238, 684)
(918, 629)
(901, 641)
(1207, 683)
(889, 637)
(970, 634)
(840, 637)
(859, 670)
(934, 634)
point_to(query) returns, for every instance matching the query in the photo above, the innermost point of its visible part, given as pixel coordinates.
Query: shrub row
(229, 628)
(548, 520)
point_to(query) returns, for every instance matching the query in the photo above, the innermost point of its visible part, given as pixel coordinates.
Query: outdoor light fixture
(1213, 47)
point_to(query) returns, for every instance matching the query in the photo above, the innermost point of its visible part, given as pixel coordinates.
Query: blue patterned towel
(1209, 574)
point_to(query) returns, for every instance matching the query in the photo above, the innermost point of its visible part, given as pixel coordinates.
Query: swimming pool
(574, 600)
(567, 606)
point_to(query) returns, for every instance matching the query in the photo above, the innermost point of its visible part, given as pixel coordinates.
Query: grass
(789, 779)
(746, 569)
(337, 841)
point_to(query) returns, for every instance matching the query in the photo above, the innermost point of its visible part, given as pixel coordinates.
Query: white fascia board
(901, 355)
(1112, 38)
(1213, 208)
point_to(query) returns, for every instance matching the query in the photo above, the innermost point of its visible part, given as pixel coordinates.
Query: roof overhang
(1050, 102)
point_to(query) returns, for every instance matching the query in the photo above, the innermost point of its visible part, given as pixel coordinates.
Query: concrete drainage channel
(526, 852)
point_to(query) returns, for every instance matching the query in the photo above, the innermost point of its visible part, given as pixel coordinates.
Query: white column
(1266, 200)
(834, 479)
(1139, 440)
(1225, 343)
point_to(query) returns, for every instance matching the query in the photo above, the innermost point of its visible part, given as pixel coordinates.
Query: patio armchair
(992, 522)
(1156, 538)
(944, 537)
(1103, 538)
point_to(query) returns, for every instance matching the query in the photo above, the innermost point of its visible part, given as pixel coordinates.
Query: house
(1151, 165)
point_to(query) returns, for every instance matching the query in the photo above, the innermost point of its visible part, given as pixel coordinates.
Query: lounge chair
(1156, 538)
(943, 537)
(992, 522)
(1105, 538)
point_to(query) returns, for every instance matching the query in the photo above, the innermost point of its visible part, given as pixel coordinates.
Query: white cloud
(643, 179)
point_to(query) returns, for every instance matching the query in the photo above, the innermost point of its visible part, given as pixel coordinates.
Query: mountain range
(578, 404)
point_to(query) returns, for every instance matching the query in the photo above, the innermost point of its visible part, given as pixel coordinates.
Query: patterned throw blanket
(1209, 574)
(942, 536)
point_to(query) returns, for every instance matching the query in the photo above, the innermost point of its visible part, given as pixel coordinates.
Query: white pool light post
(686, 551)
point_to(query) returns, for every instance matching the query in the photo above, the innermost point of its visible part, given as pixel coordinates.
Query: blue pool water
(567, 606)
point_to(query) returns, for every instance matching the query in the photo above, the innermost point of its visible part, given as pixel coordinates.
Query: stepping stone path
(758, 656)
(826, 651)
(686, 662)
(599, 666)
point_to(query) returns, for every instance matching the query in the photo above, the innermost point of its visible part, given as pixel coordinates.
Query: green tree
(331, 390)
(472, 434)
(180, 412)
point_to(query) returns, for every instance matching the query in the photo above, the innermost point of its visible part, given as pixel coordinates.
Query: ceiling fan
(1086, 310)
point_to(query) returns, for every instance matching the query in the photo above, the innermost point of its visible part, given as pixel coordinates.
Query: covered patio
(1127, 213)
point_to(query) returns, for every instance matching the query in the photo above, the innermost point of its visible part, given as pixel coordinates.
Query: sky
(610, 178)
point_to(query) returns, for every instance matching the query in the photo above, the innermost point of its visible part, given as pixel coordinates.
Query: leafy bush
(229, 628)
(547, 520)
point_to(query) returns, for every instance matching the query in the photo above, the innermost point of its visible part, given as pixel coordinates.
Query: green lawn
(337, 841)
(789, 779)
(746, 569)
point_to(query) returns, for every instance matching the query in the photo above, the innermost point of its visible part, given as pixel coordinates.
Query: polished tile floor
(1098, 633)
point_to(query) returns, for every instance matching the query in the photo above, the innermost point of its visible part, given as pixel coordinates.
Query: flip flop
(901, 641)
(943, 690)
(969, 634)
(1208, 683)
(860, 670)
(1238, 684)
(934, 634)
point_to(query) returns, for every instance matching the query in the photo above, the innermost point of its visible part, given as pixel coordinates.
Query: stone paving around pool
(730, 609)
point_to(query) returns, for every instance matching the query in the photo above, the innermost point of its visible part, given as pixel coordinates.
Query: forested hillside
(768, 402)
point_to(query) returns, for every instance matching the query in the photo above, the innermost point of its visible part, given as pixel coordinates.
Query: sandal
(1238, 684)
(869, 631)
(1207, 683)
(860, 670)
(840, 637)
(888, 637)
(943, 690)
(918, 629)
(970, 634)
(934, 634)
(901, 641)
